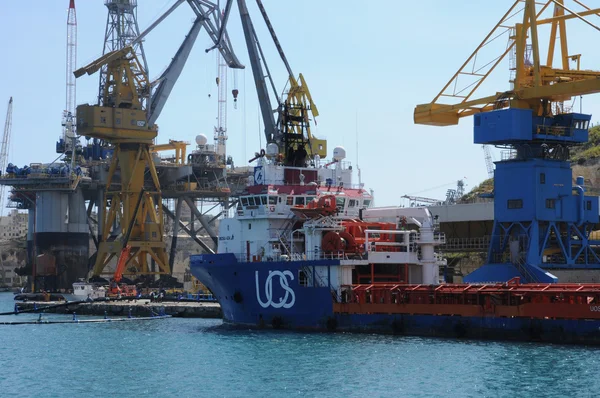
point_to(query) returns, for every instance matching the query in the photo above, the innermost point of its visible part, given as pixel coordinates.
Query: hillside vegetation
(485, 187)
(590, 150)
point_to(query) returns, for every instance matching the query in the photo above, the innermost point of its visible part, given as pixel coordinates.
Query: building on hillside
(13, 226)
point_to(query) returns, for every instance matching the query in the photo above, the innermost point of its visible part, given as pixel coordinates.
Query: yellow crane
(292, 131)
(180, 148)
(123, 122)
(540, 87)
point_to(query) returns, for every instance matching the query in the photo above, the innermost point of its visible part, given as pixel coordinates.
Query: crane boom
(214, 24)
(291, 131)
(167, 80)
(535, 86)
(258, 73)
(4, 147)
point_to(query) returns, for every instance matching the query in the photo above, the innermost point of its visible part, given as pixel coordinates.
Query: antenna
(360, 184)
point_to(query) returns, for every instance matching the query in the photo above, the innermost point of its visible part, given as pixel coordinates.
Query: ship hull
(271, 295)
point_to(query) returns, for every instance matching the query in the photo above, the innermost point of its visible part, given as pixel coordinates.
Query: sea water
(203, 358)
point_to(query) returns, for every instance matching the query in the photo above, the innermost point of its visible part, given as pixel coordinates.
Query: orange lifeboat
(323, 206)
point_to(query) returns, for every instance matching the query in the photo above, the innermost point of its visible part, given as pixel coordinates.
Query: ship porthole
(237, 297)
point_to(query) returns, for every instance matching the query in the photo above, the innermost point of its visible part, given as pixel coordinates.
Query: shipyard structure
(110, 188)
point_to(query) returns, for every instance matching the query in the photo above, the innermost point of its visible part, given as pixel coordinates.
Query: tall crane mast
(4, 148)
(221, 127)
(65, 143)
(541, 220)
(291, 132)
(489, 164)
(122, 30)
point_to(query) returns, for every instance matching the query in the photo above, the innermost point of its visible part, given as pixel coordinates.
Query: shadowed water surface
(200, 357)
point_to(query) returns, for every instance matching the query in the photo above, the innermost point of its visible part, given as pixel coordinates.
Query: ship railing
(258, 257)
(480, 243)
(318, 184)
(497, 294)
(201, 297)
(508, 154)
(439, 238)
(558, 131)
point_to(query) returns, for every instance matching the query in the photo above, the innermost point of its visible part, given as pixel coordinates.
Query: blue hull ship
(322, 258)
(274, 295)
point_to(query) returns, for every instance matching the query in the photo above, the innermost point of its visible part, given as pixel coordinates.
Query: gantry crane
(535, 210)
(291, 131)
(122, 120)
(535, 86)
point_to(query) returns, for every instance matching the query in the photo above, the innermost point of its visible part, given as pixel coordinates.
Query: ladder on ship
(521, 266)
(283, 235)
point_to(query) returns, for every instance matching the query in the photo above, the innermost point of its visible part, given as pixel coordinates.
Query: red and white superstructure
(314, 213)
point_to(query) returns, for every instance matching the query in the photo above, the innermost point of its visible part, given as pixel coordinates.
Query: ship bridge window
(366, 202)
(309, 199)
(244, 201)
(272, 200)
(299, 200)
(251, 200)
(263, 200)
(340, 202)
(352, 203)
(290, 201)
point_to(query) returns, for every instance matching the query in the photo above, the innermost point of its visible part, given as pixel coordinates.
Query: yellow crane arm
(180, 148)
(107, 58)
(535, 85)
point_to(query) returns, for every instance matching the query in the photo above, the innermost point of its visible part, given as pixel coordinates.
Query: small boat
(82, 290)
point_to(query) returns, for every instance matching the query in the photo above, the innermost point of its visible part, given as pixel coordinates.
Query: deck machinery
(542, 221)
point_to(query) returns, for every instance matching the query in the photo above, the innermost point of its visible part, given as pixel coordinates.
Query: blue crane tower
(542, 220)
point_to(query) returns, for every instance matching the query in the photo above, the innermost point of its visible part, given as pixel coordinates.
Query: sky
(367, 64)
